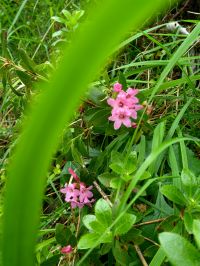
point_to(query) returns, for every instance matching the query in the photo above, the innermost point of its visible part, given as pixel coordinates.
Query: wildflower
(117, 87)
(124, 106)
(121, 116)
(85, 194)
(66, 250)
(70, 191)
(77, 194)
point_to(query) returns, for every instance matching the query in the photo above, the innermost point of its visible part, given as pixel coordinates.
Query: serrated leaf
(103, 212)
(124, 224)
(173, 194)
(178, 250)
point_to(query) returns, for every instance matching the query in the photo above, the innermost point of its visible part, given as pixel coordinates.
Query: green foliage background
(107, 23)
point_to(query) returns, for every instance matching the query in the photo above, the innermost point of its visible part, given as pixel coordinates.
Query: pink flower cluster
(125, 106)
(77, 193)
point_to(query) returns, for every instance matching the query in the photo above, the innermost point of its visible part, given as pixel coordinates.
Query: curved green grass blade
(93, 43)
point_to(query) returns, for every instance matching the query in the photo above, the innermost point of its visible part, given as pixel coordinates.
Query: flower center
(121, 116)
(121, 104)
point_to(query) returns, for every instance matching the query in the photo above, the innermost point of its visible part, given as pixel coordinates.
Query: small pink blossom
(120, 102)
(70, 191)
(117, 87)
(77, 194)
(132, 92)
(85, 194)
(121, 116)
(66, 250)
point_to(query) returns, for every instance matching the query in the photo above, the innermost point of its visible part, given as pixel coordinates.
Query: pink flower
(121, 116)
(85, 194)
(77, 194)
(70, 191)
(66, 250)
(124, 107)
(119, 102)
(132, 92)
(117, 87)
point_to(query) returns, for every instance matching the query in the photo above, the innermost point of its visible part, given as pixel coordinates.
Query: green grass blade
(17, 16)
(176, 56)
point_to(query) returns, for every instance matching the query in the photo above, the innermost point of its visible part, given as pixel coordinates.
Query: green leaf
(196, 231)
(188, 222)
(145, 175)
(173, 194)
(117, 162)
(103, 212)
(25, 78)
(88, 241)
(178, 250)
(105, 248)
(158, 136)
(87, 219)
(124, 224)
(97, 227)
(58, 19)
(105, 178)
(189, 181)
(117, 168)
(130, 165)
(115, 182)
(26, 61)
(120, 254)
(62, 234)
(93, 239)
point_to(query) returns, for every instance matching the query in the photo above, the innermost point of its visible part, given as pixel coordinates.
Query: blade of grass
(17, 16)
